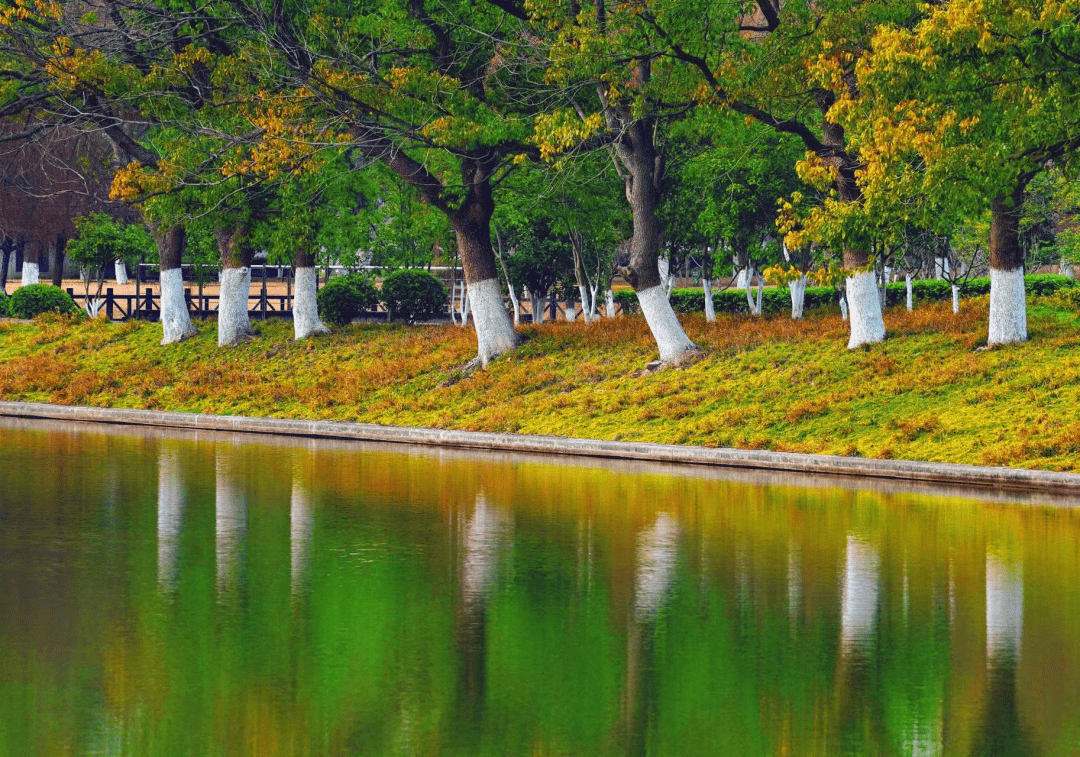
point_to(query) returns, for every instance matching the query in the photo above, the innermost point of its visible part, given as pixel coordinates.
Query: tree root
(681, 361)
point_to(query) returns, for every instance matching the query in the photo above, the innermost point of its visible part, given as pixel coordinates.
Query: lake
(207, 594)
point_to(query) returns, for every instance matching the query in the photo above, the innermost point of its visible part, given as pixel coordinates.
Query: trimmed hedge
(777, 300)
(411, 295)
(35, 299)
(345, 297)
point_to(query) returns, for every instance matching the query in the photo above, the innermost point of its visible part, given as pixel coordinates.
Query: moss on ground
(927, 393)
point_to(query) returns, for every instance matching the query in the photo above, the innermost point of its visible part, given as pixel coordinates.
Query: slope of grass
(927, 393)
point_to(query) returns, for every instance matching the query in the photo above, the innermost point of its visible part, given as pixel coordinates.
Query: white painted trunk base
(583, 291)
(536, 304)
(907, 282)
(609, 303)
(571, 311)
(30, 274)
(176, 322)
(710, 308)
(666, 279)
(466, 303)
(955, 299)
(867, 325)
(305, 310)
(1008, 307)
(121, 272)
(941, 268)
(494, 330)
(798, 296)
(233, 322)
(664, 325)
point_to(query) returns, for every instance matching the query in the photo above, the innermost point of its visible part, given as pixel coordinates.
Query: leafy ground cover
(926, 393)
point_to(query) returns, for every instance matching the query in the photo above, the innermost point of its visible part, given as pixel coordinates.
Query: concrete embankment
(762, 460)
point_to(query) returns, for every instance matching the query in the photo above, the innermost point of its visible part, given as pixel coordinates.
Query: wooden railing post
(109, 303)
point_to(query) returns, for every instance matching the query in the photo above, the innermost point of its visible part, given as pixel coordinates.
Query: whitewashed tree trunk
(1008, 307)
(798, 296)
(537, 304)
(514, 302)
(233, 322)
(176, 324)
(30, 274)
(594, 313)
(843, 306)
(941, 268)
(466, 306)
(955, 298)
(583, 291)
(663, 323)
(910, 299)
(710, 308)
(120, 268)
(494, 330)
(609, 303)
(666, 279)
(1067, 269)
(571, 311)
(742, 280)
(867, 325)
(305, 310)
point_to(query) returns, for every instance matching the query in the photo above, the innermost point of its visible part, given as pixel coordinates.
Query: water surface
(201, 594)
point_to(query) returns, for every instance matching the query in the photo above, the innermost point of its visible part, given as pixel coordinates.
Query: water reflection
(170, 513)
(230, 522)
(309, 599)
(859, 604)
(301, 525)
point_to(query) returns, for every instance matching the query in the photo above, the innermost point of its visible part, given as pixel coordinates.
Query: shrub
(35, 299)
(5, 304)
(345, 297)
(412, 295)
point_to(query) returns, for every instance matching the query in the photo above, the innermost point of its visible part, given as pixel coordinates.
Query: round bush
(35, 299)
(5, 304)
(413, 296)
(345, 297)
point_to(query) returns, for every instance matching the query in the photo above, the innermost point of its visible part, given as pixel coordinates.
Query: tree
(100, 241)
(960, 109)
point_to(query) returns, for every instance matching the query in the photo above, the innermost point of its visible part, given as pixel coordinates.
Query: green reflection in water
(202, 595)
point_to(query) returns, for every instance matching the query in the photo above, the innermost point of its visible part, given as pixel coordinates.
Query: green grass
(926, 393)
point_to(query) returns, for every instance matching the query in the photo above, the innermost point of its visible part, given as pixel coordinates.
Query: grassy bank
(925, 394)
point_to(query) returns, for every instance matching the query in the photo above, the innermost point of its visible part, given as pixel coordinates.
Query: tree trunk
(798, 296)
(6, 248)
(56, 260)
(710, 308)
(472, 226)
(305, 310)
(609, 303)
(233, 323)
(120, 269)
(864, 302)
(1008, 304)
(537, 304)
(643, 272)
(30, 270)
(955, 298)
(175, 319)
(907, 283)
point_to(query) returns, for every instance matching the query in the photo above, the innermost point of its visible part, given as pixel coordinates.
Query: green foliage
(412, 295)
(101, 239)
(345, 297)
(5, 304)
(777, 300)
(35, 299)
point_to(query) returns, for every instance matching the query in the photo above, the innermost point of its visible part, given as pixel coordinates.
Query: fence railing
(146, 305)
